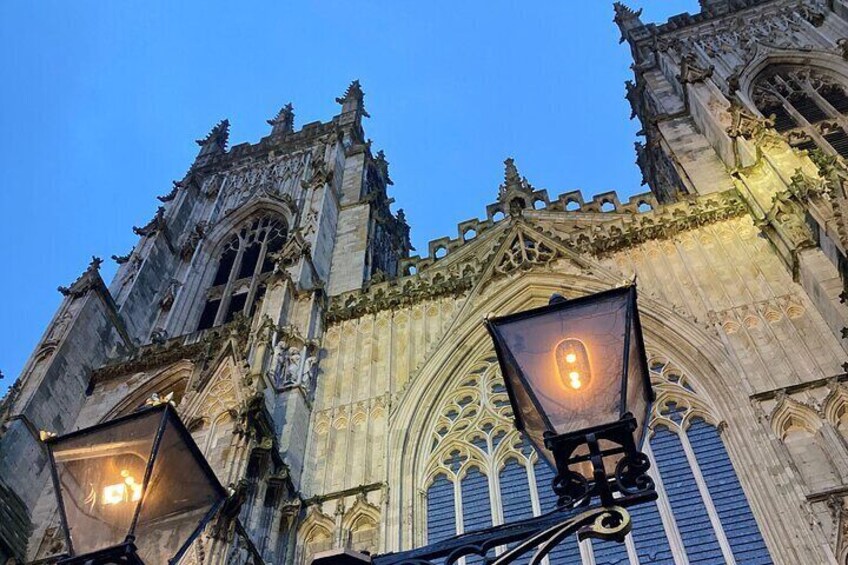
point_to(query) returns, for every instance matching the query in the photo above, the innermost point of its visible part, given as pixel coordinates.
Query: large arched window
(244, 263)
(481, 473)
(809, 107)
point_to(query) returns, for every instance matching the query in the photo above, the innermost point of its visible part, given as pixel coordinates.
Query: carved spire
(216, 140)
(627, 20)
(512, 180)
(283, 122)
(353, 99)
(515, 190)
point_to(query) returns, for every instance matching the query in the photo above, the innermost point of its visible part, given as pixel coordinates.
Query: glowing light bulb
(574, 379)
(572, 362)
(114, 494)
(127, 491)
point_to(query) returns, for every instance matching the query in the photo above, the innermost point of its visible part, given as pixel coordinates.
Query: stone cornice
(191, 347)
(598, 239)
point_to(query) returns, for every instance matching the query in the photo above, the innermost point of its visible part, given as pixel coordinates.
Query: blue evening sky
(101, 103)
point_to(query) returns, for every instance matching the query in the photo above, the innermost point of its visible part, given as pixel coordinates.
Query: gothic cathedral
(347, 393)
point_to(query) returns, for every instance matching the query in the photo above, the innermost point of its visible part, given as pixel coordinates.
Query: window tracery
(244, 264)
(809, 107)
(480, 473)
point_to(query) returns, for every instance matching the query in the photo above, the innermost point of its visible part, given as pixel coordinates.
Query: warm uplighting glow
(127, 491)
(572, 362)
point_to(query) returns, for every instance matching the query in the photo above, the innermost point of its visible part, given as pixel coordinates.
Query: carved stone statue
(308, 370)
(292, 366)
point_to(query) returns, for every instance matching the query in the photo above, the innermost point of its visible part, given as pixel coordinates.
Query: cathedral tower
(221, 303)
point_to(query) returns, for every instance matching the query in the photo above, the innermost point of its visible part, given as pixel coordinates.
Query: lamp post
(578, 382)
(132, 490)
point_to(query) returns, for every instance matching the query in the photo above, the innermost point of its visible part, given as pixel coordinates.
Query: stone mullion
(228, 288)
(808, 128)
(825, 105)
(631, 550)
(495, 498)
(257, 269)
(707, 499)
(672, 533)
(587, 555)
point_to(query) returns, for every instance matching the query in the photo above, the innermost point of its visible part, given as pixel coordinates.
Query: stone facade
(331, 379)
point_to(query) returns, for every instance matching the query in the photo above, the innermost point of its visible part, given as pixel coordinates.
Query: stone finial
(513, 181)
(85, 281)
(353, 99)
(623, 12)
(283, 122)
(216, 140)
(626, 19)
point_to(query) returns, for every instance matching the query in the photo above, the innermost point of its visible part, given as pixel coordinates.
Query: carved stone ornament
(170, 294)
(153, 226)
(295, 248)
(523, 253)
(172, 194)
(692, 72)
(159, 336)
(278, 179)
(745, 124)
(88, 280)
(193, 240)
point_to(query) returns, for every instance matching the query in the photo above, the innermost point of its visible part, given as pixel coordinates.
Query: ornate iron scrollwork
(541, 534)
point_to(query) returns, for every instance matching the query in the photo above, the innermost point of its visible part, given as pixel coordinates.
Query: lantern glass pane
(530, 421)
(100, 476)
(571, 356)
(181, 491)
(638, 387)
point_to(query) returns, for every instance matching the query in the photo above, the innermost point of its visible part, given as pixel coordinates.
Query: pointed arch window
(244, 264)
(482, 473)
(809, 106)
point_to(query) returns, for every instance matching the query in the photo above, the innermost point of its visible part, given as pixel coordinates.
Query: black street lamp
(132, 490)
(578, 382)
